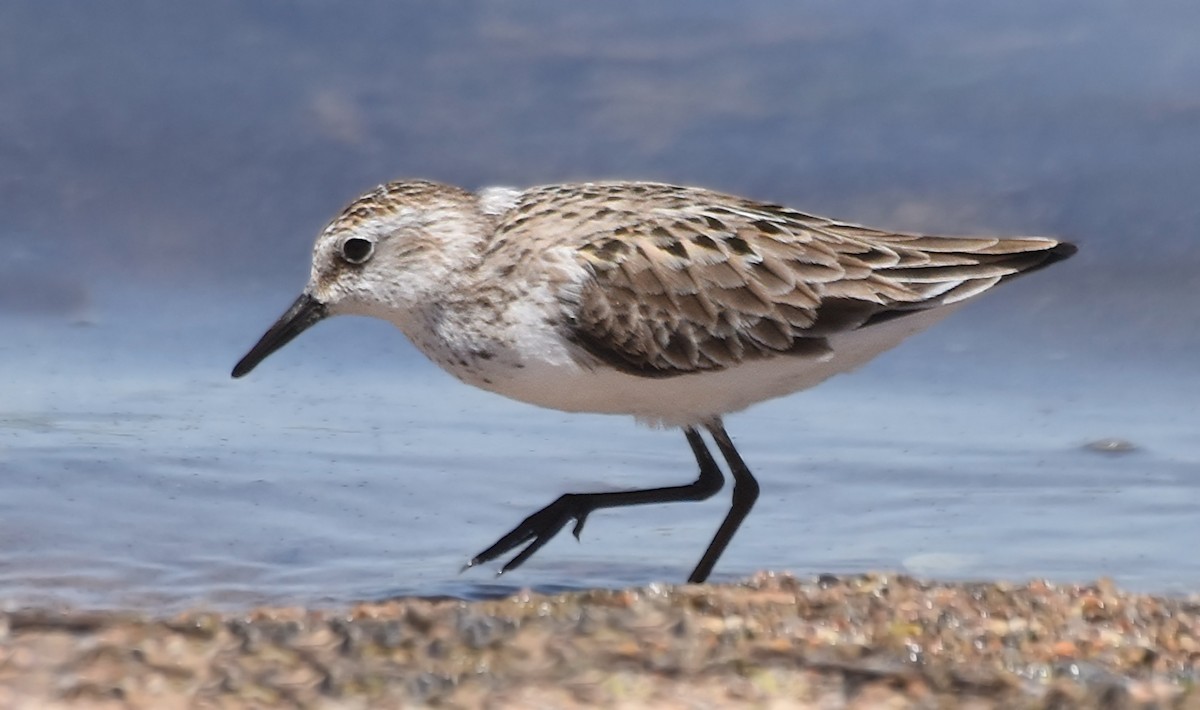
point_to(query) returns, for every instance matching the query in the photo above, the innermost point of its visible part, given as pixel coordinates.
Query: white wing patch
(497, 200)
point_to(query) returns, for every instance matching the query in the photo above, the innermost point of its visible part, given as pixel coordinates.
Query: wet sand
(775, 641)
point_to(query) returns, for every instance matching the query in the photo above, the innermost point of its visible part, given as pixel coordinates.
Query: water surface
(166, 168)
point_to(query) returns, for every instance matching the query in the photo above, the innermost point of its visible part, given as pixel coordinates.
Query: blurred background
(164, 167)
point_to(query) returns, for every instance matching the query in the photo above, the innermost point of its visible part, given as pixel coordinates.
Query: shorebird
(677, 305)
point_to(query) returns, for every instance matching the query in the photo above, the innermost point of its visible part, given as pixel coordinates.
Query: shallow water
(138, 473)
(157, 213)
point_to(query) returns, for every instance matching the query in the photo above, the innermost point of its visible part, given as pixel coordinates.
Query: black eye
(356, 250)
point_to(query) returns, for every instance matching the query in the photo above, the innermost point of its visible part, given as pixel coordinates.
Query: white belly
(552, 379)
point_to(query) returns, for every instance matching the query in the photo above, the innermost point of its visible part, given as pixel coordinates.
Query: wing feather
(685, 280)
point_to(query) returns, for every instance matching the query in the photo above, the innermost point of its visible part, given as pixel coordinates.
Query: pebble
(851, 641)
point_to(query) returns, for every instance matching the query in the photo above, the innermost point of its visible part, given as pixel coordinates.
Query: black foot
(537, 530)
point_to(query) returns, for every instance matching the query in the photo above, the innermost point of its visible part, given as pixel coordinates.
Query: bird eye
(356, 250)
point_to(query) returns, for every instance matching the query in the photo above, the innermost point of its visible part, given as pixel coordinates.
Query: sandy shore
(863, 642)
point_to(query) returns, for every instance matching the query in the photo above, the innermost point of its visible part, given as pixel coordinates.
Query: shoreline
(866, 640)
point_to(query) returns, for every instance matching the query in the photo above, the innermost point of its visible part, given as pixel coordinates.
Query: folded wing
(702, 281)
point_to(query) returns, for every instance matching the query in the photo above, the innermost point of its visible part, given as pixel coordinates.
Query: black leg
(745, 492)
(538, 528)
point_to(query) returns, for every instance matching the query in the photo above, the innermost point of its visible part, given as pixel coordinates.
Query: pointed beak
(305, 312)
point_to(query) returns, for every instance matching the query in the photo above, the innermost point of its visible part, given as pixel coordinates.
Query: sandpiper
(676, 305)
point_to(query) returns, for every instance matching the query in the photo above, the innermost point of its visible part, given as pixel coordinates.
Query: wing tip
(1058, 252)
(1063, 250)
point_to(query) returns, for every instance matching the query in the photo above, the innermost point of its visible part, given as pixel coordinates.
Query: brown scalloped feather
(687, 280)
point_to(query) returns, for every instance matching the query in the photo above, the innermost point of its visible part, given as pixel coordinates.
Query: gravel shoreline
(864, 641)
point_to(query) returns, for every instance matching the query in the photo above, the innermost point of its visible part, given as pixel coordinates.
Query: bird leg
(745, 492)
(537, 529)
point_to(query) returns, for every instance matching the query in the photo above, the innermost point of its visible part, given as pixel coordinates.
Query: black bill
(304, 313)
